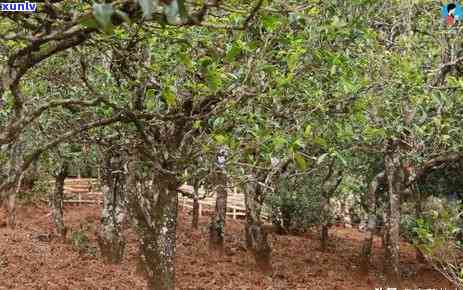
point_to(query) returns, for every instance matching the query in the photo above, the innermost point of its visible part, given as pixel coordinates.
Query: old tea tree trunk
(13, 171)
(394, 178)
(153, 210)
(325, 221)
(110, 237)
(329, 186)
(367, 246)
(256, 237)
(217, 226)
(55, 198)
(195, 212)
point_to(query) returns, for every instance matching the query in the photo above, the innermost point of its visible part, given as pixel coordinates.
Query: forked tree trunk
(55, 199)
(217, 226)
(195, 213)
(154, 214)
(367, 247)
(329, 187)
(256, 237)
(110, 236)
(394, 176)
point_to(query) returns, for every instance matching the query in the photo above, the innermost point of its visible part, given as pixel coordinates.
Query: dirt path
(28, 260)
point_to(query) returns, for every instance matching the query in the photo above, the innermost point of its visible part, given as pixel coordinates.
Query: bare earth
(29, 260)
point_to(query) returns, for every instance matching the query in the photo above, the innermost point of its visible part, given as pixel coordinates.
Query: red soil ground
(29, 262)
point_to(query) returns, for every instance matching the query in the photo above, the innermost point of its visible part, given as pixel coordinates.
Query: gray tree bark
(217, 226)
(419, 214)
(13, 171)
(256, 237)
(111, 239)
(395, 178)
(195, 213)
(55, 199)
(329, 186)
(371, 226)
(325, 216)
(153, 211)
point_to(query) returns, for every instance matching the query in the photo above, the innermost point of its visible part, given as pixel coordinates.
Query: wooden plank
(87, 201)
(95, 193)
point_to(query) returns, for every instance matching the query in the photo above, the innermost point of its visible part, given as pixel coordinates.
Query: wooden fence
(80, 191)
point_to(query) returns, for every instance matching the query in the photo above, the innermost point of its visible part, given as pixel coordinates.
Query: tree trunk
(281, 220)
(11, 210)
(217, 226)
(31, 177)
(195, 213)
(56, 199)
(325, 222)
(419, 213)
(324, 237)
(153, 211)
(256, 237)
(367, 247)
(13, 172)
(394, 176)
(110, 237)
(329, 186)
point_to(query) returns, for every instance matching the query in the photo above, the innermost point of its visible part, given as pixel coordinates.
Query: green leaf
(300, 161)
(373, 133)
(307, 131)
(344, 162)
(270, 22)
(103, 14)
(205, 62)
(169, 97)
(321, 141)
(150, 104)
(214, 80)
(186, 60)
(293, 59)
(279, 142)
(218, 123)
(233, 52)
(220, 139)
(197, 124)
(298, 143)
